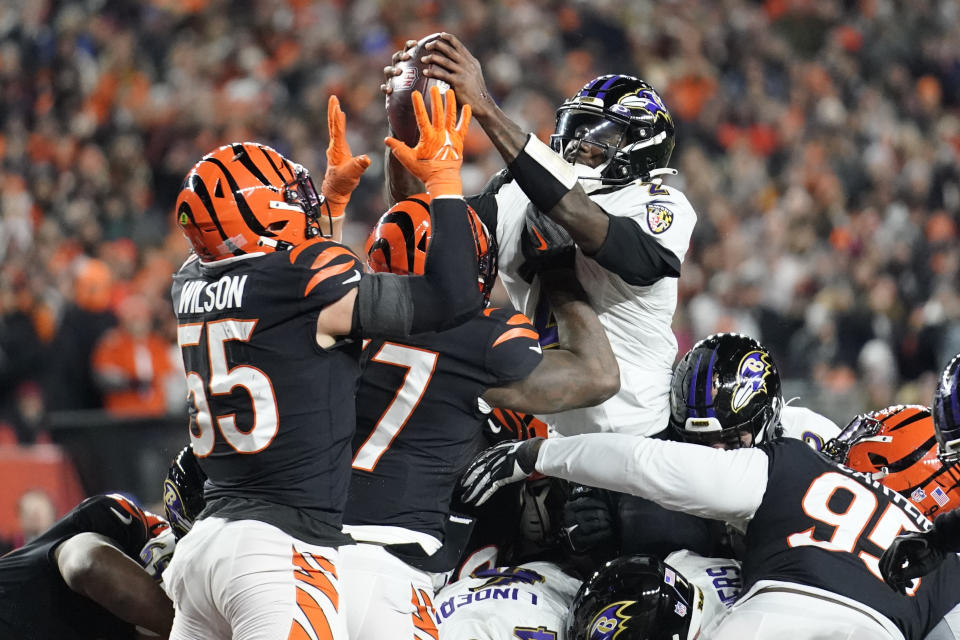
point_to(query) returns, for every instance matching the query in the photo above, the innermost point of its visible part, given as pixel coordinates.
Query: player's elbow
(81, 561)
(602, 383)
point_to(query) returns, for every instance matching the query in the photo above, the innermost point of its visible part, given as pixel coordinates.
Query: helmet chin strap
(589, 177)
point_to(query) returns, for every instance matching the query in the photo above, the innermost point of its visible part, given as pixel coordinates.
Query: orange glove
(438, 155)
(343, 169)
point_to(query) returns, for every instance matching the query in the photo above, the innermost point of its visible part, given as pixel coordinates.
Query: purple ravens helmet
(636, 598)
(626, 118)
(726, 385)
(946, 412)
(183, 492)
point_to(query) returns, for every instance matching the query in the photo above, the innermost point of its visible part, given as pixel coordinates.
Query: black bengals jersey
(418, 422)
(36, 603)
(836, 524)
(271, 412)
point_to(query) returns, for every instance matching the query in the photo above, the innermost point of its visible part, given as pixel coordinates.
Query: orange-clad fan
(131, 363)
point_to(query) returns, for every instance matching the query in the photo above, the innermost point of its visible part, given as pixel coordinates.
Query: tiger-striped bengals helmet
(398, 242)
(897, 446)
(245, 198)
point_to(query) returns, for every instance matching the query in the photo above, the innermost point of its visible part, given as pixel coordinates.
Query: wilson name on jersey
(418, 421)
(271, 413)
(836, 523)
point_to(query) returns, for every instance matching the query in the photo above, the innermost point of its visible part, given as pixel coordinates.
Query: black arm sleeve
(635, 256)
(945, 534)
(485, 202)
(445, 296)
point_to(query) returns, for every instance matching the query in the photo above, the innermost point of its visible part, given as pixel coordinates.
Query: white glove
(503, 464)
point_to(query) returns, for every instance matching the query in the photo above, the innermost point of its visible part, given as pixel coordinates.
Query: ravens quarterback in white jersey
(600, 182)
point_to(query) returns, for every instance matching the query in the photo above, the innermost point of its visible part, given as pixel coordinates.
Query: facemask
(589, 177)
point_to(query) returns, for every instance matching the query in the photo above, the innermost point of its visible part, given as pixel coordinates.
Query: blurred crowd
(817, 139)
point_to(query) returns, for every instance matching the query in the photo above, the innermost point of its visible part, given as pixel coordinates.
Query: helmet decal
(610, 621)
(751, 379)
(502, 576)
(174, 506)
(644, 101)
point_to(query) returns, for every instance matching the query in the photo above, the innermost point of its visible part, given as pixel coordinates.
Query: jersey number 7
(223, 379)
(420, 365)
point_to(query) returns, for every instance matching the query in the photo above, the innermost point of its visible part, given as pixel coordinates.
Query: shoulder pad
(511, 325)
(499, 179)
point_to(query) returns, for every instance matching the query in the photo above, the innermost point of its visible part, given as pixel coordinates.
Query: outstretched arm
(93, 567)
(343, 171)
(392, 306)
(548, 180)
(581, 372)
(701, 481)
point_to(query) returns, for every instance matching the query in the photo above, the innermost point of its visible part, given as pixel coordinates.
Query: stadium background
(817, 139)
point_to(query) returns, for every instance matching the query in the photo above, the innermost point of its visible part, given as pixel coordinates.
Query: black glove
(908, 557)
(544, 244)
(500, 465)
(588, 520)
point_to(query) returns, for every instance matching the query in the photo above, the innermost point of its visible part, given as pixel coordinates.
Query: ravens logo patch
(659, 218)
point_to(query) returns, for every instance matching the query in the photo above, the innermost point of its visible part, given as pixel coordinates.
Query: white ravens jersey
(719, 579)
(637, 319)
(529, 602)
(811, 427)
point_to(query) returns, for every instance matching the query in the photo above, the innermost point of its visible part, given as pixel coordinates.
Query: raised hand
(343, 168)
(452, 62)
(437, 158)
(390, 71)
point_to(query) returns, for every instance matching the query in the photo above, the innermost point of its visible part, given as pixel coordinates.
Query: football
(399, 101)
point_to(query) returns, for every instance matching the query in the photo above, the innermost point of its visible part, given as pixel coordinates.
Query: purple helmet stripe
(708, 389)
(692, 395)
(954, 401)
(602, 91)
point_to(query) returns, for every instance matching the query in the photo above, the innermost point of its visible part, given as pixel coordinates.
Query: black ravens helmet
(727, 384)
(183, 492)
(946, 412)
(635, 598)
(625, 117)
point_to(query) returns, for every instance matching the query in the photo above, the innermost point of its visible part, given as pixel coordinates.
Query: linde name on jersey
(453, 603)
(198, 296)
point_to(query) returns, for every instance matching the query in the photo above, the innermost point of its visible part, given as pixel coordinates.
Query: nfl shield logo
(918, 494)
